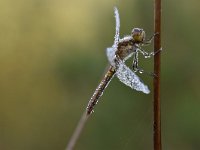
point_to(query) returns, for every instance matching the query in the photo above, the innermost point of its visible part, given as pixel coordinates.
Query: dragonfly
(121, 50)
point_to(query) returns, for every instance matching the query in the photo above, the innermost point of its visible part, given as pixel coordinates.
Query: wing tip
(146, 90)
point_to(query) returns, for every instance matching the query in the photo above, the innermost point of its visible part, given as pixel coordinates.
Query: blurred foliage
(53, 55)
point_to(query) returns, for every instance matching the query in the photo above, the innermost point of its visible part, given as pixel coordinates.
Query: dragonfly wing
(110, 52)
(129, 78)
(117, 26)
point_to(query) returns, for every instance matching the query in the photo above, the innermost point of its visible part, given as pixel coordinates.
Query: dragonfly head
(138, 35)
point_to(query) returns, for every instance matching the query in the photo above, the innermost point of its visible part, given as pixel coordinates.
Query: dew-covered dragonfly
(121, 50)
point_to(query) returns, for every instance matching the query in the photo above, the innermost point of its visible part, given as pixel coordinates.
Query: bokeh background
(52, 56)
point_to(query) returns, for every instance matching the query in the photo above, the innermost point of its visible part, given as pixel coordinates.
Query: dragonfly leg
(148, 41)
(136, 68)
(140, 70)
(148, 55)
(135, 61)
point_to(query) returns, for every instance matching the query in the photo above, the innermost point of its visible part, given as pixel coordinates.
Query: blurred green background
(52, 56)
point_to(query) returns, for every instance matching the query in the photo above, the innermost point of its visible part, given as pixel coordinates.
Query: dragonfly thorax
(125, 47)
(138, 35)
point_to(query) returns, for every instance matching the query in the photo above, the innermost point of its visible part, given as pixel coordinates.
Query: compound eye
(138, 35)
(136, 31)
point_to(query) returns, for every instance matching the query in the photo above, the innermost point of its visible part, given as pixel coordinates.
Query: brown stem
(157, 46)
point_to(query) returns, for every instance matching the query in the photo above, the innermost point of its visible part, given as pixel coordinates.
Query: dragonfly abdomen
(100, 89)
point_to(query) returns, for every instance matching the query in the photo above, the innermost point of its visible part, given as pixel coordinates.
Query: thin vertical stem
(157, 46)
(77, 132)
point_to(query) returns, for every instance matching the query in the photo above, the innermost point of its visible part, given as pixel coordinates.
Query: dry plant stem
(77, 132)
(157, 46)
